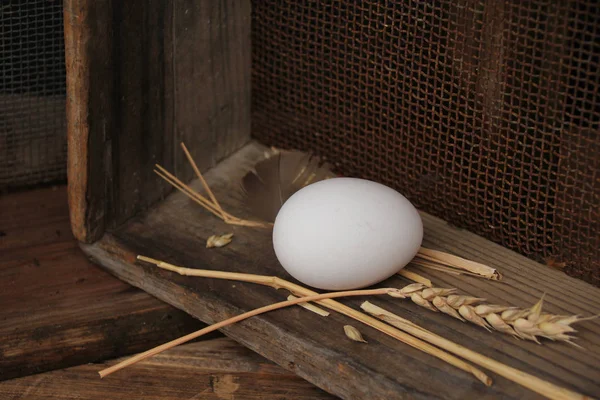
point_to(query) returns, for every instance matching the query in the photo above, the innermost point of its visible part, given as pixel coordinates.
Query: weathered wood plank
(317, 349)
(211, 78)
(89, 59)
(30, 219)
(218, 369)
(59, 310)
(143, 134)
(144, 75)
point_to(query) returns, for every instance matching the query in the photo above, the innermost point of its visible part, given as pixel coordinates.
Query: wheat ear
(531, 382)
(408, 332)
(524, 323)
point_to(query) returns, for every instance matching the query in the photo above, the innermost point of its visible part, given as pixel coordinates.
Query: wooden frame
(129, 105)
(143, 76)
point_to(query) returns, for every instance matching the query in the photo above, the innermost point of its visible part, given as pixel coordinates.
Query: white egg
(346, 233)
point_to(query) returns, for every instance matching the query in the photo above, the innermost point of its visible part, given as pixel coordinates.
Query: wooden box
(144, 76)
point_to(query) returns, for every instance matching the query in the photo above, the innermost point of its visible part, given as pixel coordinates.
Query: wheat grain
(219, 240)
(524, 323)
(353, 334)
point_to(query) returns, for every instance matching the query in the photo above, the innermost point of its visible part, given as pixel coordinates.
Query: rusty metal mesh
(33, 146)
(484, 113)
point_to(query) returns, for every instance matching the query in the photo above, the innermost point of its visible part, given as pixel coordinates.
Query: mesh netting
(32, 93)
(484, 113)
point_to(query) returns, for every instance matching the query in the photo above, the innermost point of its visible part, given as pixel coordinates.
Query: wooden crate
(144, 76)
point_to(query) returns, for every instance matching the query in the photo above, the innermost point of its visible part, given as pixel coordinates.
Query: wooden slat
(317, 349)
(89, 59)
(142, 76)
(218, 369)
(143, 133)
(30, 219)
(211, 77)
(59, 310)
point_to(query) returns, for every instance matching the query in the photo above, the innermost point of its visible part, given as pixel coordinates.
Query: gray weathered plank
(316, 349)
(211, 77)
(142, 133)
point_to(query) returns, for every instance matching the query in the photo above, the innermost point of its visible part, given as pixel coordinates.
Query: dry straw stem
(204, 184)
(310, 307)
(426, 264)
(421, 338)
(439, 257)
(237, 318)
(523, 323)
(529, 381)
(204, 202)
(211, 205)
(278, 283)
(418, 262)
(413, 276)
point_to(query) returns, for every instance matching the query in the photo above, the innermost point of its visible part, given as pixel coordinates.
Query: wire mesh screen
(32, 93)
(484, 113)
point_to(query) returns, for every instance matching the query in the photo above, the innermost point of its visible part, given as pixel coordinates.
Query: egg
(346, 233)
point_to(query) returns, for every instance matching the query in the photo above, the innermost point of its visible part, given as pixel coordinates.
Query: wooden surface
(142, 76)
(316, 348)
(211, 77)
(143, 132)
(57, 309)
(90, 113)
(218, 369)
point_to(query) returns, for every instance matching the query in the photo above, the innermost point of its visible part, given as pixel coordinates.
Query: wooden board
(218, 369)
(211, 76)
(89, 109)
(59, 310)
(142, 76)
(316, 348)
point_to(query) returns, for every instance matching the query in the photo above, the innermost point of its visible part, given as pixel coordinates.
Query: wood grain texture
(318, 351)
(218, 369)
(59, 310)
(143, 134)
(211, 76)
(144, 75)
(89, 59)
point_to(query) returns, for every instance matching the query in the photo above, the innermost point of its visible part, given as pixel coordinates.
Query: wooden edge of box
(77, 81)
(175, 230)
(143, 77)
